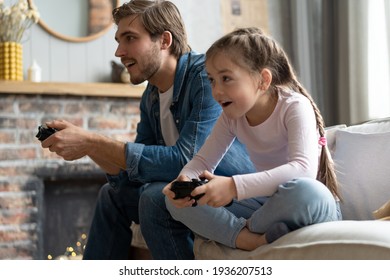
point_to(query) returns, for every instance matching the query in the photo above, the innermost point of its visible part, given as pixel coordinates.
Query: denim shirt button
(177, 121)
(113, 184)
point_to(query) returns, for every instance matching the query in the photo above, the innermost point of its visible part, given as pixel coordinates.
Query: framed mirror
(75, 20)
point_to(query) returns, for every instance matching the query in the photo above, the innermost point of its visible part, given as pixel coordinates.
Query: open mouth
(129, 63)
(225, 104)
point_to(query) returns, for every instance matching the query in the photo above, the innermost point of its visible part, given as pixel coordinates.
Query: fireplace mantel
(80, 89)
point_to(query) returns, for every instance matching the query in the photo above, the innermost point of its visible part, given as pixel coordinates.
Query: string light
(73, 253)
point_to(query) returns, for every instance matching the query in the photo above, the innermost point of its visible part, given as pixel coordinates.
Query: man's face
(138, 53)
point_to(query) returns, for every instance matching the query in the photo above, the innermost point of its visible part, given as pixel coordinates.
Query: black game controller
(44, 132)
(183, 189)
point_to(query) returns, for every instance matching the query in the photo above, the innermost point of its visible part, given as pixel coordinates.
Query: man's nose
(120, 51)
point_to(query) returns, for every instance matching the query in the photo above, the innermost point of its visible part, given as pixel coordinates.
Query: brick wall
(24, 165)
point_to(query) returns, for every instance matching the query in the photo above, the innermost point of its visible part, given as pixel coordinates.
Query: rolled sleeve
(133, 152)
(133, 155)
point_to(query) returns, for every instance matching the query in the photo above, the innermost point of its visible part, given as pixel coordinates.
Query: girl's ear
(265, 79)
(166, 40)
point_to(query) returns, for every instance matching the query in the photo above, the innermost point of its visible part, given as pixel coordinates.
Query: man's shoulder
(193, 59)
(190, 65)
(198, 58)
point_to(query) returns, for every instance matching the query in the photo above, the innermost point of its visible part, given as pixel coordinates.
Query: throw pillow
(330, 133)
(362, 167)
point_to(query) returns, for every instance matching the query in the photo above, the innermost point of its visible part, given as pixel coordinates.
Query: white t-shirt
(168, 127)
(282, 148)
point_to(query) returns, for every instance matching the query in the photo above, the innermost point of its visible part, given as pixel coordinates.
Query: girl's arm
(213, 150)
(219, 190)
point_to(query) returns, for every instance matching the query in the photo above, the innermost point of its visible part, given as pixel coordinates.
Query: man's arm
(72, 142)
(108, 153)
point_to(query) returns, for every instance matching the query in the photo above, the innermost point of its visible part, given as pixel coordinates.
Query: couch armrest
(337, 240)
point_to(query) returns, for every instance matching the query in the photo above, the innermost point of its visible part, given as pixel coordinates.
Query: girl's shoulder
(289, 95)
(292, 104)
(289, 98)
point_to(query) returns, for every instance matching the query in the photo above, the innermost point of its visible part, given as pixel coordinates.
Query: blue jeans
(117, 206)
(297, 203)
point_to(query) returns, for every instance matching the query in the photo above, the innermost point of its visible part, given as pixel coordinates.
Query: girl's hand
(219, 190)
(178, 203)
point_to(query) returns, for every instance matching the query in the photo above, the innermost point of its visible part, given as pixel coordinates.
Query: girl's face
(234, 88)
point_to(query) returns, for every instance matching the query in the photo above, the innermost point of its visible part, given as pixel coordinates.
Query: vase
(11, 61)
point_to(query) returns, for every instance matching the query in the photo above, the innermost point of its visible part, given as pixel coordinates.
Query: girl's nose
(217, 89)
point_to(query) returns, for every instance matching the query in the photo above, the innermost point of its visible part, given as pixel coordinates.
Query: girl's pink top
(282, 148)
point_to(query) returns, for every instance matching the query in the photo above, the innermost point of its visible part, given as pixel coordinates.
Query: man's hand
(69, 142)
(72, 142)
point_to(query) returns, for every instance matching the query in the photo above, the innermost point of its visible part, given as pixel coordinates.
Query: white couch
(361, 154)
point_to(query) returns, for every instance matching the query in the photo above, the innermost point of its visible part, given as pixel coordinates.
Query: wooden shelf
(80, 89)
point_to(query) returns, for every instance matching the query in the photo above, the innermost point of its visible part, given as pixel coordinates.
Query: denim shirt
(194, 112)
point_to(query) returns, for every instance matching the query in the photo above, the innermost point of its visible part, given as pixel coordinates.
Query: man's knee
(104, 193)
(152, 196)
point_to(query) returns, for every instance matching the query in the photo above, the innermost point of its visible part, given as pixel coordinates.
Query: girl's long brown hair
(253, 50)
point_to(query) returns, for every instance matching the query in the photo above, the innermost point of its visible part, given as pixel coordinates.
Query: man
(177, 114)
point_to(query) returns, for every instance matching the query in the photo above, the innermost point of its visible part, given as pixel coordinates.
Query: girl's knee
(315, 198)
(308, 190)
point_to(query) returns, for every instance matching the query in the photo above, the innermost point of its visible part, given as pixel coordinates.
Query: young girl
(268, 110)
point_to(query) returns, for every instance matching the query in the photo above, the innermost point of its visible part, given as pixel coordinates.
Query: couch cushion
(138, 240)
(361, 161)
(362, 240)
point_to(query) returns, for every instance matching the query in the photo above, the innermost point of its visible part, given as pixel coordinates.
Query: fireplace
(68, 211)
(46, 203)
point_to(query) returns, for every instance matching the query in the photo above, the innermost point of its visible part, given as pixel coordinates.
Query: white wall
(90, 62)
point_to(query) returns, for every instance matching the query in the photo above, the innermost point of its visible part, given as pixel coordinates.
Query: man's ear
(266, 79)
(166, 40)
